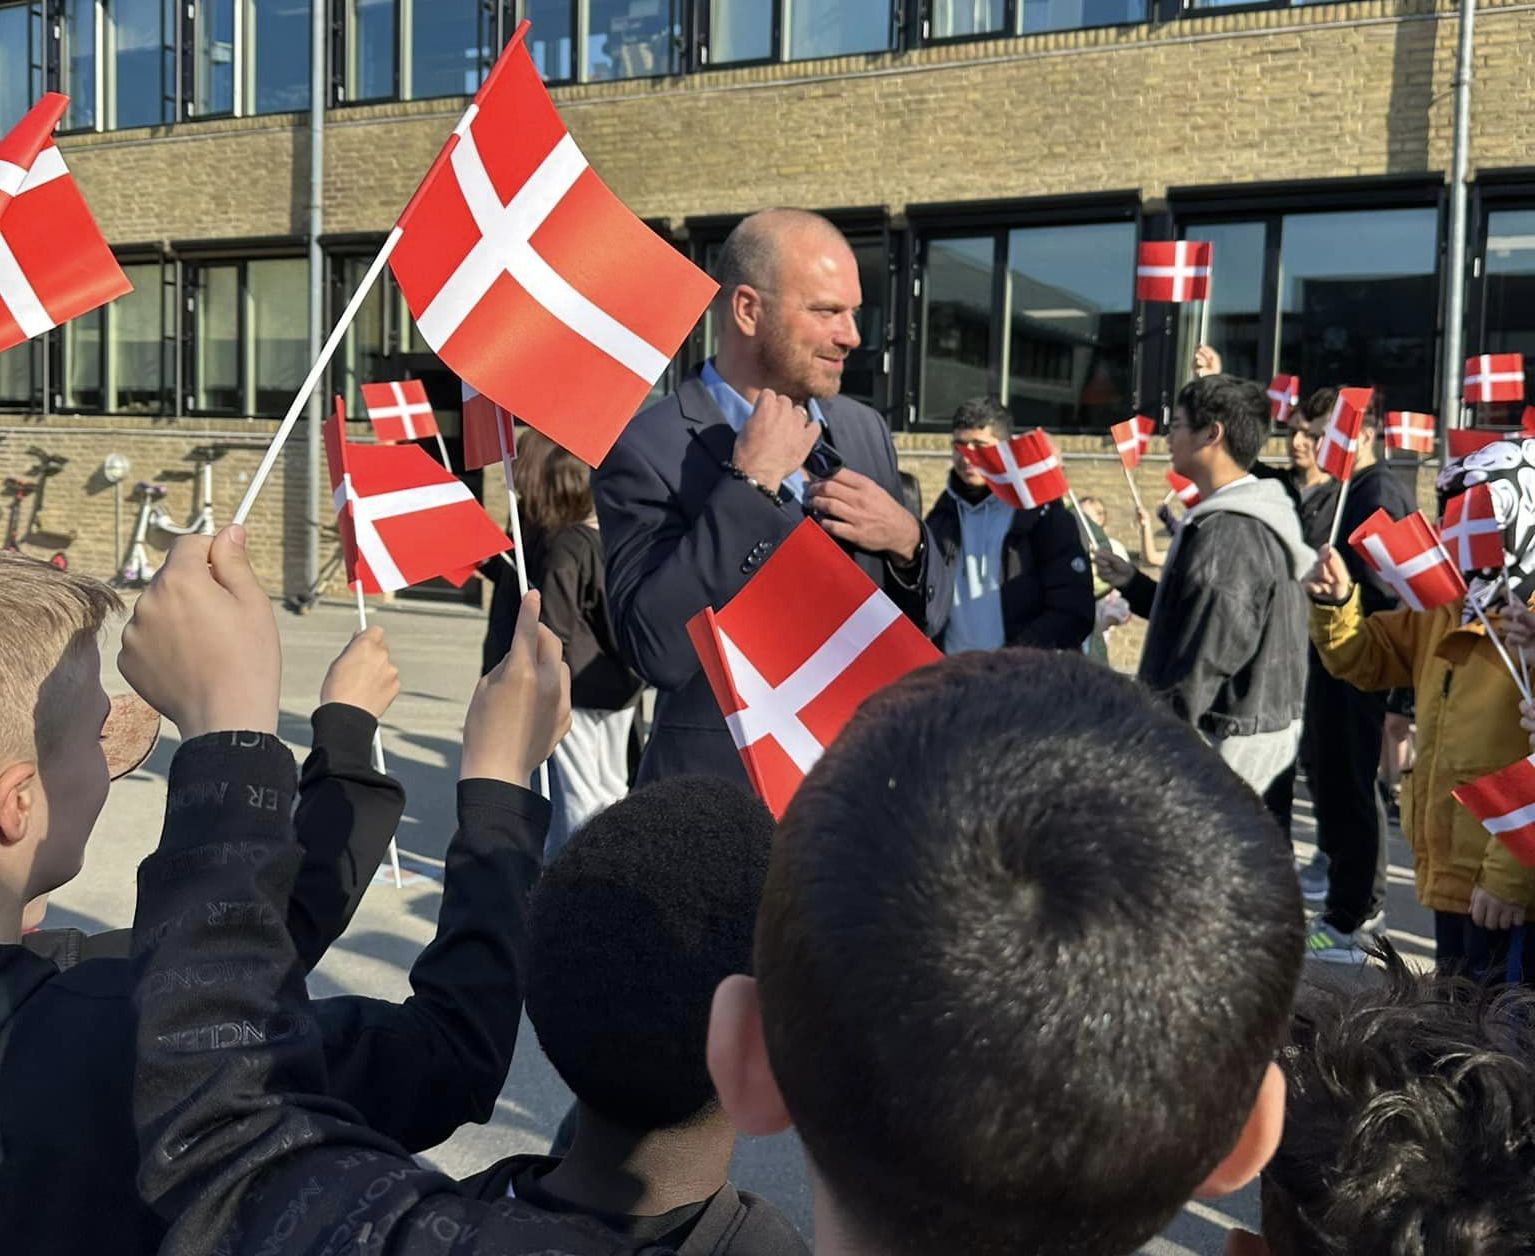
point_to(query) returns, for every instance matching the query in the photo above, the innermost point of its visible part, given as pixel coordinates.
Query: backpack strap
(717, 1225)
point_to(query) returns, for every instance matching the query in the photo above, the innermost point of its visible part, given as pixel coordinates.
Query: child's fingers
(525, 634)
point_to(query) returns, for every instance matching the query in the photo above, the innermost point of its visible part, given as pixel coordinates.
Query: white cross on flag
(1024, 472)
(1495, 377)
(1408, 556)
(1340, 441)
(489, 433)
(1406, 429)
(403, 518)
(54, 264)
(795, 652)
(531, 280)
(1504, 804)
(1131, 438)
(399, 411)
(1186, 491)
(1173, 270)
(1471, 531)
(1284, 396)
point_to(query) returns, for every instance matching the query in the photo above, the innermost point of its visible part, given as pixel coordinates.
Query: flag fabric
(1185, 490)
(1131, 438)
(1495, 377)
(1527, 422)
(530, 279)
(399, 411)
(1471, 531)
(1406, 429)
(1460, 441)
(795, 652)
(1284, 396)
(54, 263)
(403, 517)
(482, 439)
(1173, 270)
(1408, 556)
(1340, 441)
(1504, 804)
(1024, 471)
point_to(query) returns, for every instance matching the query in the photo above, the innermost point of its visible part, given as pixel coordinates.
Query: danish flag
(1024, 472)
(1341, 439)
(403, 518)
(1406, 429)
(1284, 396)
(1131, 438)
(488, 431)
(1460, 441)
(1471, 531)
(1173, 270)
(54, 264)
(1408, 556)
(1186, 491)
(531, 280)
(795, 652)
(399, 411)
(1495, 377)
(1504, 804)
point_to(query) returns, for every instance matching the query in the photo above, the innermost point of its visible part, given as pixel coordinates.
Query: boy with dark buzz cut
(630, 931)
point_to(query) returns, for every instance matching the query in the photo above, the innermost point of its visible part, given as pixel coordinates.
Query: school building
(994, 163)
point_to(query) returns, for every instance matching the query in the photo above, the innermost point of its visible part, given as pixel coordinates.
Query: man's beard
(782, 361)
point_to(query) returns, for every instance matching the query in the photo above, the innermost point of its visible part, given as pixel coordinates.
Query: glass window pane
(362, 352)
(215, 57)
(740, 30)
(277, 56)
(77, 61)
(956, 324)
(218, 346)
(1510, 289)
(966, 17)
(1068, 300)
(863, 377)
(1359, 295)
(16, 375)
(136, 42)
(551, 39)
(81, 386)
(817, 29)
(136, 346)
(1236, 301)
(448, 47)
(370, 49)
(1064, 15)
(631, 38)
(21, 60)
(279, 330)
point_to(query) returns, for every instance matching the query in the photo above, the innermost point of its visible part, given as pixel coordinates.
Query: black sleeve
(925, 593)
(1140, 593)
(244, 1151)
(418, 1070)
(346, 815)
(1066, 610)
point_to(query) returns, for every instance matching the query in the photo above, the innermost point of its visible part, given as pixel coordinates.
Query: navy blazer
(680, 534)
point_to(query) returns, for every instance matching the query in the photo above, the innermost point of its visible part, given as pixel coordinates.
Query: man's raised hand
(521, 708)
(363, 675)
(1328, 582)
(857, 511)
(775, 441)
(1113, 570)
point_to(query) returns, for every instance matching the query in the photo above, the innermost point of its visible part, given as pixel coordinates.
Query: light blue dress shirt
(737, 410)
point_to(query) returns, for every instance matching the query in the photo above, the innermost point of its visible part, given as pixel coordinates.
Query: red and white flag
(403, 517)
(1340, 441)
(1408, 556)
(1471, 531)
(488, 431)
(530, 279)
(1024, 471)
(1186, 491)
(1132, 438)
(795, 652)
(1173, 270)
(1460, 441)
(399, 411)
(1284, 396)
(1406, 429)
(1527, 422)
(1495, 377)
(1504, 804)
(54, 263)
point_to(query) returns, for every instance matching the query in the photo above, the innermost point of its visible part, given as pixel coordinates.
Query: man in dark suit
(704, 485)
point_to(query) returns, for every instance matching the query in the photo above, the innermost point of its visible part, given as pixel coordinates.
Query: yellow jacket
(1468, 726)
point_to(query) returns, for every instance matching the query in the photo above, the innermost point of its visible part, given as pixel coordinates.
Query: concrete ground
(437, 649)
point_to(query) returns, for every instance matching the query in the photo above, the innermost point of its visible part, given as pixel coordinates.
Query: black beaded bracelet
(741, 475)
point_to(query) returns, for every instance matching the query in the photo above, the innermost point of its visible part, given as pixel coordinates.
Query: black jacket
(245, 1148)
(1374, 488)
(415, 1071)
(1047, 589)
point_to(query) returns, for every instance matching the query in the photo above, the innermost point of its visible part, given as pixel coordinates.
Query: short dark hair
(635, 922)
(1409, 1121)
(1240, 406)
(1026, 950)
(983, 412)
(1318, 407)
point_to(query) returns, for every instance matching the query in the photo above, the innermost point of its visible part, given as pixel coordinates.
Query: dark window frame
(497, 14)
(700, 59)
(919, 22)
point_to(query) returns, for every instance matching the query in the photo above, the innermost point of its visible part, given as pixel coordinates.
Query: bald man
(704, 485)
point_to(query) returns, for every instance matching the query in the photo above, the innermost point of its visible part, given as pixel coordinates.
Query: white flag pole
(442, 448)
(313, 378)
(520, 558)
(1087, 532)
(1519, 683)
(1337, 514)
(378, 739)
(1135, 493)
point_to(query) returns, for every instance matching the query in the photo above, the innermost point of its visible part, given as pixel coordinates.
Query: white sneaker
(1330, 946)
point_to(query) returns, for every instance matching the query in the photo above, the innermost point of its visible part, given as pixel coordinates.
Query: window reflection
(370, 49)
(276, 55)
(1509, 320)
(449, 46)
(631, 38)
(1236, 302)
(951, 18)
(551, 38)
(21, 60)
(77, 63)
(278, 306)
(957, 292)
(740, 30)
(1066, 15)
(136, 52)
(215, 27)
(836, 30)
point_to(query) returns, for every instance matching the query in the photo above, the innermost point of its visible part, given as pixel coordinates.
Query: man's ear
(17, 798)
(738, 1060)
(1215, 434)
(1257, 1143)
(746, 309)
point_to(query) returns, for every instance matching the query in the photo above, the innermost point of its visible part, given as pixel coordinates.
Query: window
(961, 19)
(416, 49)
(138, 47)
(951, 19)
(632, 38)
(1039, 317)
(250, 335)
(552, 38)
(741, 30)
(1508, 314)
(19, 374)
(364, 352)
(836, 30)
(371, 49)
(21, 60)
(1236, 317)
(113, 360)
(275, 63)
(77, 63)
(215, 40)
